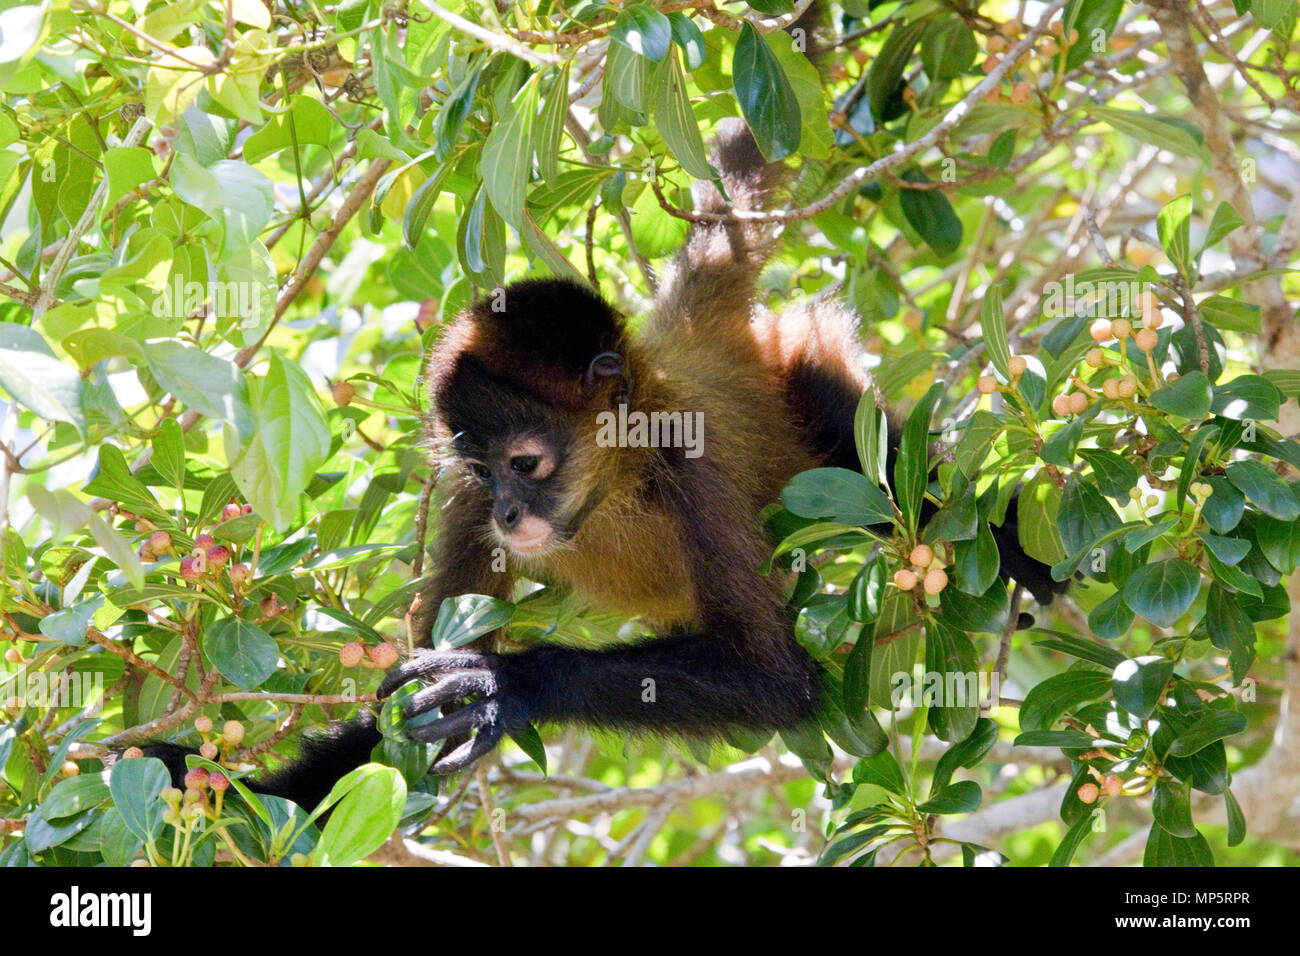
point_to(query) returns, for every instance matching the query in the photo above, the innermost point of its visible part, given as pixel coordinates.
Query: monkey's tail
(325, 758)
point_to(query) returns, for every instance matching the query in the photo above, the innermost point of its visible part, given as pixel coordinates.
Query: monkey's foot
(473, 682)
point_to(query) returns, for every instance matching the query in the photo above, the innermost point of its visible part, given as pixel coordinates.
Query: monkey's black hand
(471, 682)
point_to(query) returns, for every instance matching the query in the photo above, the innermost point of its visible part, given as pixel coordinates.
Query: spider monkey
(519, 384)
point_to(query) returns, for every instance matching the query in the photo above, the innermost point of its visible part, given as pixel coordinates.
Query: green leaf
(1230, 630)
(867, 590)
(960, 797)
(1213, 726)
(1072, 840)
(244, 653)
(74, 795)
(1174, 229)
(1048, 700)
(1279, 542)
(551, 124)
(964, 753)
(372, 799)
(947, 49)
(1236, 819)
(135, 785)
(1111, 618)
(911, 470)
(1248, 397)
(508, 155)
(214, 387)
(677, 124)
(530, 742)
(1225, 506)
(930, 213)
(1190, 397)
(37, 380)
(993, 326)
(1115, 475)
(688, 36)
(1146, 128)
(870, 434)
(307, 120)
(1226, 219)
(950, 653)
(1139, 684)
(643, 30)
(169, 452)
(1262, 485)
(839, 494)
(467, 617)
(1165, 849)
(1083, 648)
(128, 167)
(1162, 591)
(880, 770)
(766, 99)
(888, 66)
(1172, 808)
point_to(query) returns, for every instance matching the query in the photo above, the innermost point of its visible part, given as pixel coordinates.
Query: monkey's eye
(524, 464)
(481, 471)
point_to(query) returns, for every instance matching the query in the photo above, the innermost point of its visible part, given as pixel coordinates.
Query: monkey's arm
(741, 668)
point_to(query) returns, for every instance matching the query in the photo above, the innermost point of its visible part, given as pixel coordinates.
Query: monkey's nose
(511, 517)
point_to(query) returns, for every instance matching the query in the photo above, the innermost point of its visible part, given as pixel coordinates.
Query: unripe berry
(1021, 93)
(192, 796)
(1048, 47)
(1079, 402)
(342, 393)
(13, 656)
(196, 779)
(1095, 358)
(231, 510)
(193, 812)
(1121, 329)
(208, 751)
(427, 316)
(1146, 339)
(218, 555)
(1152, 500)
(298, 859)
(132, 752)
(219, 782)
(321, 219)
(203, 724)
(160, 542)
(240, 575)
(383, 655)
(990, 64)
(1012, 28)
(350, 654)
(232, 732)
(171, 796)
(190, 568)
(1128, 386)
(1110, 388)
(1089, 793)
(1016, 365)
(1100, 330)
(905, 579)
(922, 556)
(936, 579)
(1061, 405)
(987, 385)
(172, 817)
(997, 44)
(1113, 785)
(70, 769)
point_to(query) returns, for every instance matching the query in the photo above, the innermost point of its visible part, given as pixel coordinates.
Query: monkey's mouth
(533, 536)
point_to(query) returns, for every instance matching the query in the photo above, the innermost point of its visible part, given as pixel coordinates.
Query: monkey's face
(524, 473)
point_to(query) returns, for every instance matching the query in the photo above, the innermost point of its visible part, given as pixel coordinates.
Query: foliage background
(347, 177)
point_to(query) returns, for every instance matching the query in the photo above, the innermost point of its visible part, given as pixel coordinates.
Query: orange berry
(1095, 358)
(232, 732)
(1079, 403)
(905, 579)
(922, 556)
(70, 769)
(1121, 328)
(1021, 93)
(1128, 386)
(131, 753)
(1110, 388)
(990, 63)
(342, 393)
(350, 654)
(936, 579)
(203, 724)
(1016, 365)
(1061, 405)
(1089, 793)
(1146, 339)
(1100, 330)
(987, 385)
(208, 751)
(383, 655)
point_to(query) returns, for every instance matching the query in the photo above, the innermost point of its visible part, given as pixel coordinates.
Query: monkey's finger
(450, 688)
(461, 722)
(468, 752)
(427, 664)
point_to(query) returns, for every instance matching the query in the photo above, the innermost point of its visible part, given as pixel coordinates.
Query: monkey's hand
(471, 682)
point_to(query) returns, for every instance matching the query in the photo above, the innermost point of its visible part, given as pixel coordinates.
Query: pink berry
(203, 724)
(247, 509)
(160, 542)
(350, 654)
(240, 575)
(383, 655)
(218, 555)
(131, 752)
(196, 779)
(231, 510)
(219, 782)
(190, 569)
(204, 541)
(208, 751)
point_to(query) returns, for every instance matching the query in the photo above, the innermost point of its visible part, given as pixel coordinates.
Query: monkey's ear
(606, 366)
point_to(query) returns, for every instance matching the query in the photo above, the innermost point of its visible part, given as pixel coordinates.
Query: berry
(990, 64)
(193, 812)
(1100, 330)
(987, 385)
(383, 655)
(1146, 339)
(998, 44)
(192, 795)
(232, 732)
(190, 568)
(146, 553)
(203, 724)
(299, 859)
(240, 575)
(1095, 358)
(1089, 793)
(922, 556)
(350, 654)
(247, 510)
(70, 769)
(204, 541)
(171, 796)
(271, 606)
(342, 393)
(1128, 386)
(1048, 47)
(1121, 328)
(1012, 28)
(912, 320)
(196, 780)
(131, 752)
(1110, 388)
(905, 579)
(160, 542)
(1079, 402)
(1061, 405)
(13, 656)
(208, 751)
(219, 782)
(936, 579)
(1022, 93)
(1113, 785)
(231, 510)
(426, 318)
(1016, 365)
(218, 555)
